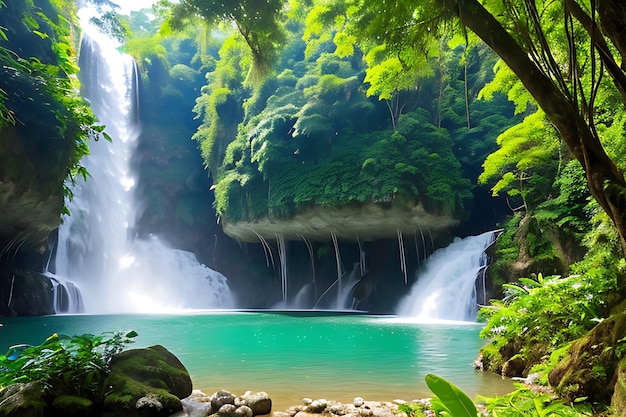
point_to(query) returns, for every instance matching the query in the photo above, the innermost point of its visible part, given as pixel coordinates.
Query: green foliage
(526, 151)
(539, 315)
(258, 23)
(112, 24)
(506, 81)
(39, 69)
(216, 106)
(569, 210)
(149, 53)
(449, 400)
(316, 139)
(387, 77)
(526, 402)
(64, 365)
(413, 409)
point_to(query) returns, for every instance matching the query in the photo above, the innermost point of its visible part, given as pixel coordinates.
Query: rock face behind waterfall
(28, 293)
(367, 221)
(39, 135)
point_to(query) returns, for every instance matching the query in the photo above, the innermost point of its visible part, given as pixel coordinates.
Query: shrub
(64, 365)
(537, 316)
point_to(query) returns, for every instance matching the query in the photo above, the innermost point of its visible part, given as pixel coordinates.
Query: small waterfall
(66, 296)
(282, 256)
(98, 249)
(445, 287)
(338, 295)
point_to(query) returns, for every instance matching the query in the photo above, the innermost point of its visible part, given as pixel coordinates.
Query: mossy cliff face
(31, 188)
(44, 123)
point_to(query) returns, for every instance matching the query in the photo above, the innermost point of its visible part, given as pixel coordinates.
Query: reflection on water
(291, 356)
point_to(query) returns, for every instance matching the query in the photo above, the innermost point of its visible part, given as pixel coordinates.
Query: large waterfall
(97, 249)
(445, 286)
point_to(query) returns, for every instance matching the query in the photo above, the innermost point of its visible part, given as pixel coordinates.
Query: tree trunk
(605, 179)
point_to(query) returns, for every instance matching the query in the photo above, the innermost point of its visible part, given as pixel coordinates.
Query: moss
(127, 392)
(73, 406)
(591, 368)
(23, 400)
(140, 373)
(618, 401)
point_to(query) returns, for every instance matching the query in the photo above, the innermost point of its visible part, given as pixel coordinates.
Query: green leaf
(530, 283)
(455, 401)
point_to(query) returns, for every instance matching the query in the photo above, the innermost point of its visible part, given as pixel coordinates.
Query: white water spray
(445, 287)
(97, 249)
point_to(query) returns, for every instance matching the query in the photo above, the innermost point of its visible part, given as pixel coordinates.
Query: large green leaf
(456, 402)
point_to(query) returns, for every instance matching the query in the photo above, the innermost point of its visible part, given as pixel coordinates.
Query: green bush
(64, 365)
(537, 316)
(526, 402)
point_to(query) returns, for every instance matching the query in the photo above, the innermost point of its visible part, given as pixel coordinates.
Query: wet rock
(199, 396)
(514, 367)
(32, 293)
(365, 411)
(227, 410)
(23, 400)
(149, 405)
(221, 398)
(317, 406)
(244, 411)
(259, 402)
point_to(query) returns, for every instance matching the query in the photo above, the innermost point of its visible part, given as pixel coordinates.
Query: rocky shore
(225, 404)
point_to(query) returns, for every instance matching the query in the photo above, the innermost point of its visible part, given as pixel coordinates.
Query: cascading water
(97, 249)
(445, 287)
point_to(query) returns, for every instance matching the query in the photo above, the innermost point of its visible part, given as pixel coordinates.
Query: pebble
(198, 404)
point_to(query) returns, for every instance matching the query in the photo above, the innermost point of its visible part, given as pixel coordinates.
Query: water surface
(292, 355)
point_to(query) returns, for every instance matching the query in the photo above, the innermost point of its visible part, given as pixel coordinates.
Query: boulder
(23, 400)
(227, 410)
(316, 406)
(73, 406)
(146, 382)
(221, 398)
(259, 402)
(243, 411)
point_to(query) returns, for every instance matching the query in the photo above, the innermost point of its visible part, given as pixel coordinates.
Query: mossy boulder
(591, 367)
(73, 406)
(146, 382)
(23, 400)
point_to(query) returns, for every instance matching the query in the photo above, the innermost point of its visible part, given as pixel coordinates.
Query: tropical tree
(559, 50)
(258, 22)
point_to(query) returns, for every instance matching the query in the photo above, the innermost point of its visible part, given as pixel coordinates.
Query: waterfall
(445, 286)
(97, 249)
(66, 296)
